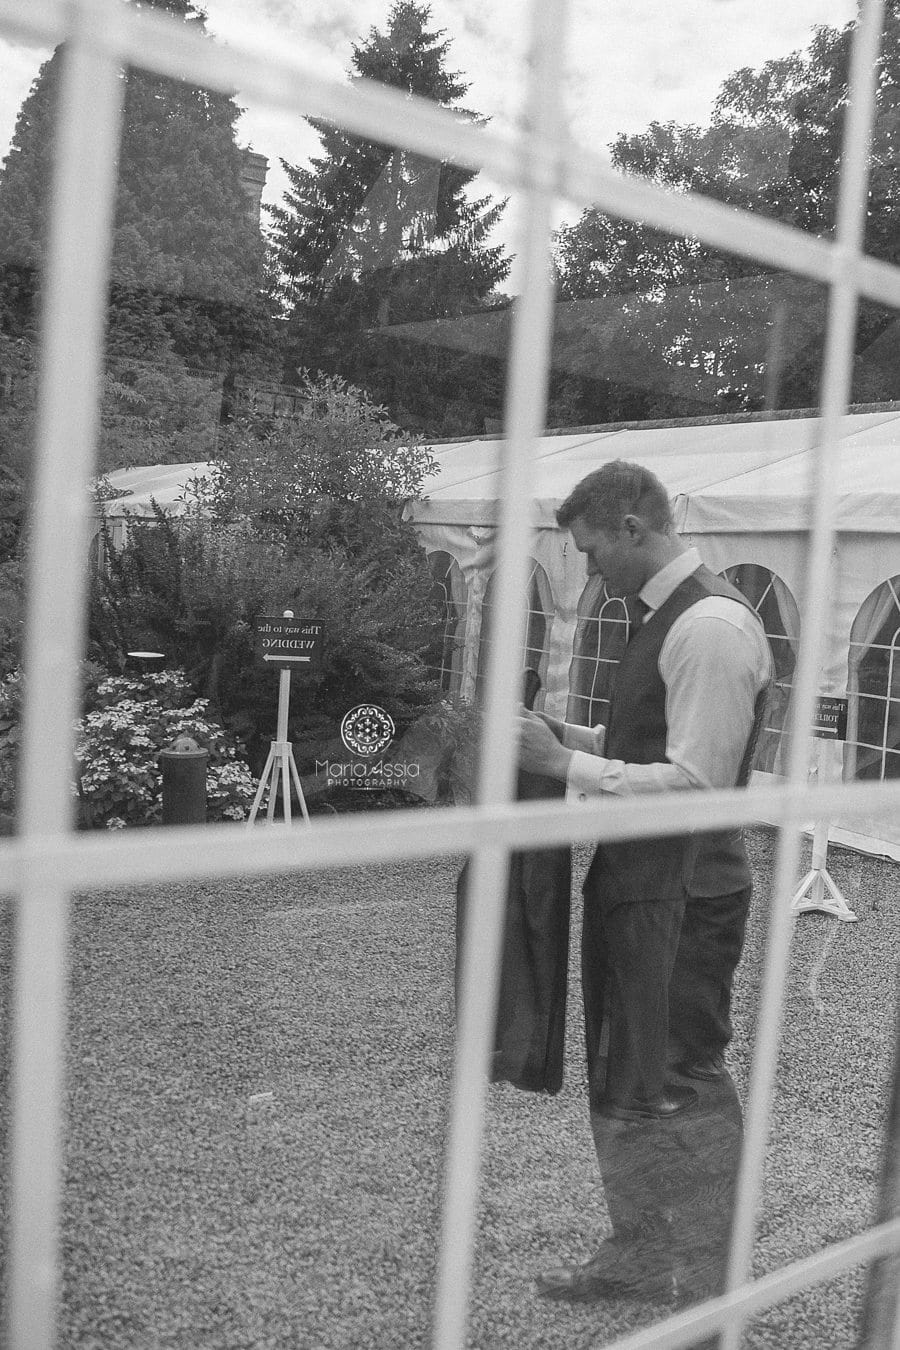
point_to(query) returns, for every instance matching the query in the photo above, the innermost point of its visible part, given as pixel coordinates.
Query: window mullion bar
(525, 413)
(836, 378)
(175, 853)
(72, 328)
(687, 1328)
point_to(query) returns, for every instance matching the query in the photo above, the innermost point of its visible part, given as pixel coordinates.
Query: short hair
(610, 493)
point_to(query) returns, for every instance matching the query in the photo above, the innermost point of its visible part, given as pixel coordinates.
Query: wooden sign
(289, 643)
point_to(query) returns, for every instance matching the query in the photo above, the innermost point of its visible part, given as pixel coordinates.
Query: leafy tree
(376, 245)
(184, 239)
(16, 430)
(157, 413)
(189, 284)
(150, 413)
(655, 325)
(336, 458)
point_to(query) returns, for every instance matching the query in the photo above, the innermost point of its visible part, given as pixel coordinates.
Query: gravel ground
(259, 1087)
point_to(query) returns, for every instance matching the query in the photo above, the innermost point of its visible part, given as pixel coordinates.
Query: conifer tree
(188, 277)
(372, 238)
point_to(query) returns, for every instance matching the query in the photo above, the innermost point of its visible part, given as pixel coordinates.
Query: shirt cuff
(584, 779)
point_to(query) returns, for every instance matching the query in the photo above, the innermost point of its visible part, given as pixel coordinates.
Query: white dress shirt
(714, 661)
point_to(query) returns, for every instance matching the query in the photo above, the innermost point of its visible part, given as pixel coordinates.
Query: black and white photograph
(449, 675)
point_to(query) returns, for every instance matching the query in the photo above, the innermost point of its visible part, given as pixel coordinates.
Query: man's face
(612, 554)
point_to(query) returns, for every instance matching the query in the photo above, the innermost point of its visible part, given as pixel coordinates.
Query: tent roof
(776, 496)
(137, 489)
(748, 477)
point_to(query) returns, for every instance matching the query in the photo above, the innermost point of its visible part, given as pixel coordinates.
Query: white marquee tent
(740, 491)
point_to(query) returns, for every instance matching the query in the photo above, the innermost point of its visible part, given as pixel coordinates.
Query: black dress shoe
(612, 1272)
(673, 1100)
(708, 1069)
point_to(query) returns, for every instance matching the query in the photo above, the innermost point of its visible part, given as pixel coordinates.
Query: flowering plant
(119, 739)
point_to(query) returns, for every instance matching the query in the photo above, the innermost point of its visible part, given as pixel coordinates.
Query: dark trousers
(627, 956)
(670, 1185)
(709, 948)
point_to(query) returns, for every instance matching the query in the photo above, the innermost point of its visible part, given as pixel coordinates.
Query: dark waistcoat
(664, 868)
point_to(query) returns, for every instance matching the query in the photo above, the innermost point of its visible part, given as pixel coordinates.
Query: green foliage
(119, 741)
(12, 612)
(444, 743)
(10, 718)
(189, 286)
(16, 436)
(379, 250)
(16, 432)
(127, 722)
(362, 203)
(652, 325)
(157, 413)
(187, 587)
(303, 477)
(300, 513)
(150, 413)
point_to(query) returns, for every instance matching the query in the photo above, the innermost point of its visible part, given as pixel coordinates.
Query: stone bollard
(183, 767)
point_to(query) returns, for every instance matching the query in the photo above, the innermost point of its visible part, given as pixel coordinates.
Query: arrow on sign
(275, 656)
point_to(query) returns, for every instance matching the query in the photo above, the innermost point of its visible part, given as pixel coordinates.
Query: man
(688, 704)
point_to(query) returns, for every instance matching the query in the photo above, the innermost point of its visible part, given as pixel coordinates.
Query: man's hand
(539, 750)
(554, 723)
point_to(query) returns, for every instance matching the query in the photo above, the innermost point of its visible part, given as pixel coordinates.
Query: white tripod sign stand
(280, 763)
(818, 890)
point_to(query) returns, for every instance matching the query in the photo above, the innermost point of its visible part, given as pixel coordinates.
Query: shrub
(292, 474)
(12, 606)
(127, 723)
(119, 741)
(302, 513)
(10, 699)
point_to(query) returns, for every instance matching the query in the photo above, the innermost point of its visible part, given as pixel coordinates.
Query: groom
(688, 705)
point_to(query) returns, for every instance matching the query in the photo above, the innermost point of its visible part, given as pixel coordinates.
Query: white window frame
(538, 605)
(856, 744)
(46, 861)
(455, 605)
(595, 608)
(769, 728)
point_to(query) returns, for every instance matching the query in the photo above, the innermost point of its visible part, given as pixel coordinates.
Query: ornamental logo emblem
(367, 729)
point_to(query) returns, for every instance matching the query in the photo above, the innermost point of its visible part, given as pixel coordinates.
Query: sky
(629, 62)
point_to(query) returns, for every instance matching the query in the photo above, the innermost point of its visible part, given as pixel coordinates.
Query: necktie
(637, 610)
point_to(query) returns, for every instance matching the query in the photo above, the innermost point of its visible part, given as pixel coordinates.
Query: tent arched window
(780, 617)
(601, 635)
(872, 747)
(537, 630)
(448, 591)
